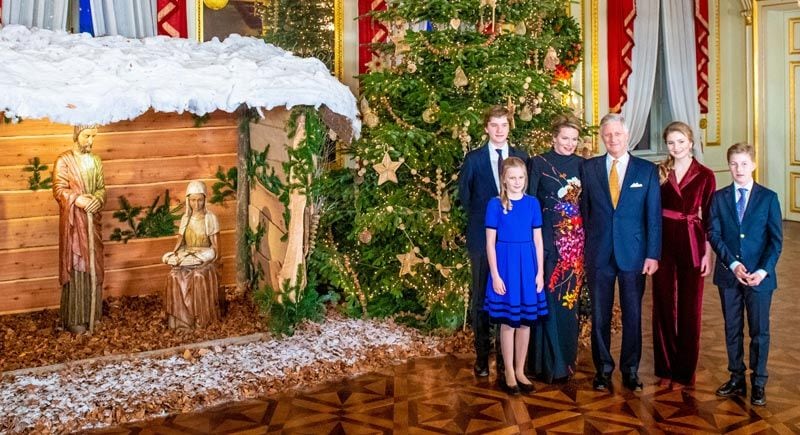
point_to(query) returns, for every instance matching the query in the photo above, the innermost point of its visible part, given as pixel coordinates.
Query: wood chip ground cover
(100, 393)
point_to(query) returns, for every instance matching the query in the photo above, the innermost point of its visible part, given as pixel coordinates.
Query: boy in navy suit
(747, 236)
(479, 181)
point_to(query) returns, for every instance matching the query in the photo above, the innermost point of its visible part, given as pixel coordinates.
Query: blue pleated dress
(516, 263)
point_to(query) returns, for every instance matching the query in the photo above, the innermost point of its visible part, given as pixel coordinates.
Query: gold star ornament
(387, 169)
(408, 261)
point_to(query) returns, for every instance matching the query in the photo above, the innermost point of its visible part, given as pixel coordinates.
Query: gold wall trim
(756, 94)
(595, 23)
(792, 23)
(338, 38)
(717, 79)
(200, 23)
(794, 207)
(793, 68)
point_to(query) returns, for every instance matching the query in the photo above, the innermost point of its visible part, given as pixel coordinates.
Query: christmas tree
(301, 26)
(393, 234)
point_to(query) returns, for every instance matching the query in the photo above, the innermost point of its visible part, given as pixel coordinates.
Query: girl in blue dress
(514, 296)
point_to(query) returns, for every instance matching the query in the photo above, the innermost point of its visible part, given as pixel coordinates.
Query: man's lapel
(755, 195)
(729, 198)
(486, 172)
(630, 174)
(602, 176)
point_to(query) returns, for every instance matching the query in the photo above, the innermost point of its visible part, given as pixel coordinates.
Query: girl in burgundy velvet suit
(686, 190)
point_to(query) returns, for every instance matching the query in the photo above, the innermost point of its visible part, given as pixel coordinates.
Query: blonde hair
(741, 148)
(511, 162)
(565, 121)
(668, 164)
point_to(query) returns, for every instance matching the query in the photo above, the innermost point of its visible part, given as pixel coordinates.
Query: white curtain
(44, 14)
(681, 66)
(130, 18)
(644, 58)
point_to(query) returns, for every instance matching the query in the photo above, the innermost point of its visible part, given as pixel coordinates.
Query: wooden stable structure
(141, 159)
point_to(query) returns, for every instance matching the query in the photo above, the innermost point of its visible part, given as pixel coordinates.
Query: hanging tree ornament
(512, 108)
(387, 169)
(370, 117)
(550, 59)
(455, 23)
(525, 113)
(429, 114)
(365, 236)
(520, 29)
(460, 80)
(492, 4)
(408, 261)
(215, 5)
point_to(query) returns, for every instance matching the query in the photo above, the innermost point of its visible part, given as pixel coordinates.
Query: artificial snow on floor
(78, 79)
(104, 393)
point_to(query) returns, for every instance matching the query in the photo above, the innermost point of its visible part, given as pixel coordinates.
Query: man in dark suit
(479, 181)
(747, 236)
(621, 207)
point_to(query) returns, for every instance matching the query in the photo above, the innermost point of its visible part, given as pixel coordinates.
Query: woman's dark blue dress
(516, 263)
(554, 180)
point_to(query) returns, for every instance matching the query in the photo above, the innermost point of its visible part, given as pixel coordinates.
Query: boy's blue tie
(740, 204)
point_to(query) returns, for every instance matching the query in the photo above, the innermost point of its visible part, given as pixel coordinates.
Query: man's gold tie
(613, 183)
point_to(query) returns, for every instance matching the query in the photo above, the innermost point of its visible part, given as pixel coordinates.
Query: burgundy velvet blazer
(685, 209)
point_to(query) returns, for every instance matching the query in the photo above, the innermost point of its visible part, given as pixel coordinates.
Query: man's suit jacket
(756, 242)
(475, 188)
(632, 231)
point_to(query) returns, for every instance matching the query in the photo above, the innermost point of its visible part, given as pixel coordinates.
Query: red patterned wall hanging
(701, 50)
(369, 31)
(172, 18)
(619, 17)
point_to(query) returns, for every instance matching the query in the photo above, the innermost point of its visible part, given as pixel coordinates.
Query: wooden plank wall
(141, 159)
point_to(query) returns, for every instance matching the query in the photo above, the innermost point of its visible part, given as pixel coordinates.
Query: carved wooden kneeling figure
(192, 297)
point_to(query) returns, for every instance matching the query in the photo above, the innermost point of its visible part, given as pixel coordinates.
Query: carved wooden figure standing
(79, 188)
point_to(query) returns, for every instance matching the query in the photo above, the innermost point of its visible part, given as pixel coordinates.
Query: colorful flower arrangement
(569, 240)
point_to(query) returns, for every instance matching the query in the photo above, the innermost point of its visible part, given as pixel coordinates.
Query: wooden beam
(243, 200)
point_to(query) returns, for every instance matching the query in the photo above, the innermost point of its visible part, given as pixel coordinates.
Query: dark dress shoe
(508, 389)
(601, 382)
(631, 381)
(758, 396)
(732, 388)
(526, 388)
(481, 371)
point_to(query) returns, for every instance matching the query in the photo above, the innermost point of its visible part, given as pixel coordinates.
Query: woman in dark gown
(554, 180)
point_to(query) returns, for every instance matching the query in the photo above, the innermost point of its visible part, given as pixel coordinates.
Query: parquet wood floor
(440, 395)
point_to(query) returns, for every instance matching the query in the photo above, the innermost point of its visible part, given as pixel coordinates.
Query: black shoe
(526, 388)
(631, 381)
(733, 388)
(758, 396)
(508, 389)
(481, 370)
(601, 382)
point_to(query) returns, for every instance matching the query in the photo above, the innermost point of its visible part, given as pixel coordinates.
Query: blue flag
(85, 17)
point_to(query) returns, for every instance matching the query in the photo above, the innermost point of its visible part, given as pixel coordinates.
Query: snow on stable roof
(78, 79)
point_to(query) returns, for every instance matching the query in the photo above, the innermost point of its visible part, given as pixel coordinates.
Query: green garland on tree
(395, 241)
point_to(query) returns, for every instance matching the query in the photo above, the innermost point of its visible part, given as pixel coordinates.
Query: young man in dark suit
(621, 207)
(747, 236)
(479, 181)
